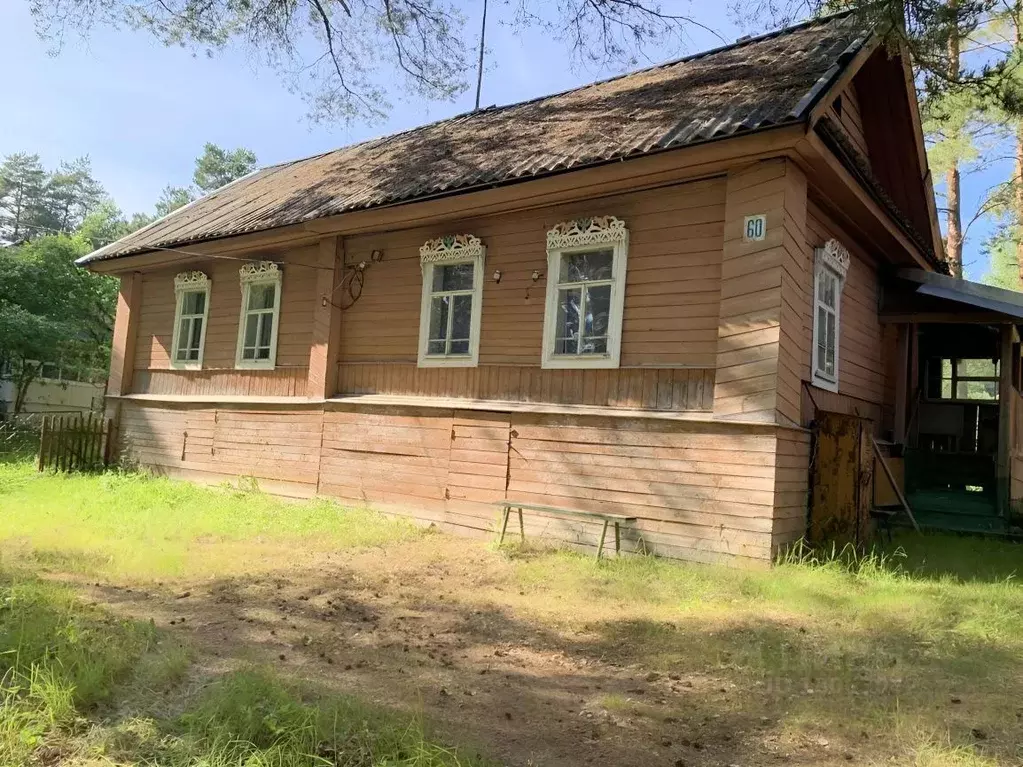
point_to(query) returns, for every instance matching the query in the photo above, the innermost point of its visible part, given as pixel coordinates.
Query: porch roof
(916, 295)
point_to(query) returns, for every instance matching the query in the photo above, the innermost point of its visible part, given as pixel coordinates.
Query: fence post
(42, 443)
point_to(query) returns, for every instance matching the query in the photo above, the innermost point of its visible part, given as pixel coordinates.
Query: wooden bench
(608, 519)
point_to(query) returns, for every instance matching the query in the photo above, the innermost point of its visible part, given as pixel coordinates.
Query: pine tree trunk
(1018, 186)
(953, 221)
(954, 240)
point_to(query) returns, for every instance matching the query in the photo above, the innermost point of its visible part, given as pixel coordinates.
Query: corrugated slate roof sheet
(752, 85)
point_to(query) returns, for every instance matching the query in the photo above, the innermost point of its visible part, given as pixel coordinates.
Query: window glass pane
(263, 353)
(460, 347)
(984, 390)
(567, 328)
(262, 296)
(829, 358)
(439, 318)
(461, 317)
(435, 347)
(193, 302)
(266, 324)
(598, 310)
(582, 267)
(251, 323)
(946, 388)
(452, 277)
(976, 368)
(183, 334)
(196, 334)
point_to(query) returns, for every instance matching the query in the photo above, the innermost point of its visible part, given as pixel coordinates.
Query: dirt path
(442, 630)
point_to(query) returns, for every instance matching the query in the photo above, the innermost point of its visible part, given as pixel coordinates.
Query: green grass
(918, 644)
(138, 526)
(65, 668)
(889, 642)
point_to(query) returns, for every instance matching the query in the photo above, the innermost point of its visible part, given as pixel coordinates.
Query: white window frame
(580, 236)
(832, 260)
(445, 251)
(261, 273)
(189, 282)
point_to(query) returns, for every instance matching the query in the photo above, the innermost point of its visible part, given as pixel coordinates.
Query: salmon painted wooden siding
(752, 380)
(665, 389)
(672, 285)
(700, 491)
(866, 347)
(156, 327)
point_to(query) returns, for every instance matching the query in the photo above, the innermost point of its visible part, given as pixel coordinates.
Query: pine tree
(22, 197)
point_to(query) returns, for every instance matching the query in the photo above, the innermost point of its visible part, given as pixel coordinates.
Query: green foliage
(1003, 262)
(172, 198)
(216, 167)
(22, 197)
(52, 310)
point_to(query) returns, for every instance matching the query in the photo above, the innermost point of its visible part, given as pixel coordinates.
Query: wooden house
(633, 297)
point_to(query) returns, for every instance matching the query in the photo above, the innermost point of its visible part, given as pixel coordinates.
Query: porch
(957, 430)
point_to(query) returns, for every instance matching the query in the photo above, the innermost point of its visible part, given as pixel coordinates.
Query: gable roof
(755, 84)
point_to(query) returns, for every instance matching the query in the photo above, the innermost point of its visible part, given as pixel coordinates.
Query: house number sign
(755, 228)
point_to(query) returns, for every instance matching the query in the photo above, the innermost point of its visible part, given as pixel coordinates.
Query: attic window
(449, 322)
(585, 293)
(831, 264)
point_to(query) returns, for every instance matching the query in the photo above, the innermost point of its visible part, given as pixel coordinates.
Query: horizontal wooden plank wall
(156, 313)
(672, 285)
(700, 491)
(866, 347)
(279, 382)
(279, 449)
(851, 119)
(642, 388)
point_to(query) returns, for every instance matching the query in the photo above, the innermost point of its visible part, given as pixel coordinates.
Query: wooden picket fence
(75, 442)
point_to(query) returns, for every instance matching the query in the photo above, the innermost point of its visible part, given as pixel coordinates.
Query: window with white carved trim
(449, 325)
(192, 308)
(586, 261)
(831, 264)
(260, 315)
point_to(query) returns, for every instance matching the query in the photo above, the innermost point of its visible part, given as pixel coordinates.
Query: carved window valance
(191, 281)
(599, 230)
(450, 248)
(834, 256)
(261, 271)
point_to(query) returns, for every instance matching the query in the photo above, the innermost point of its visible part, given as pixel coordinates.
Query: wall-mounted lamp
(497, 276)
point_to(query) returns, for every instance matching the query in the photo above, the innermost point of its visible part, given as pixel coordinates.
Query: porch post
(326, 337)
(901, 382)
(1004, 417)
(126, 324)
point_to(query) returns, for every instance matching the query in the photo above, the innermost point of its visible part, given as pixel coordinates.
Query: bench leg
(504, 524)
(522, 528)
(618, 541)
(603, 535)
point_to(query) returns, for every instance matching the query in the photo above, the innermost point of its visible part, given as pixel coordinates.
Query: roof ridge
(739, 43)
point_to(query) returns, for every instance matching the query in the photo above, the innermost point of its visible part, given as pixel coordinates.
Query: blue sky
(142, 112)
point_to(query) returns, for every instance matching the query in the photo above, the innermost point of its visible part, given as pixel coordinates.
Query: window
(830, 268)
(968, 379)
(585, 293)
(261, 307)
(449, 325)
(192, 306)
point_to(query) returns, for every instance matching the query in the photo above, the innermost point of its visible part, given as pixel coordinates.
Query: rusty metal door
(843, 480)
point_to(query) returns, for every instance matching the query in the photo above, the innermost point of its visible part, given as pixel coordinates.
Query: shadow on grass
(738, 689)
